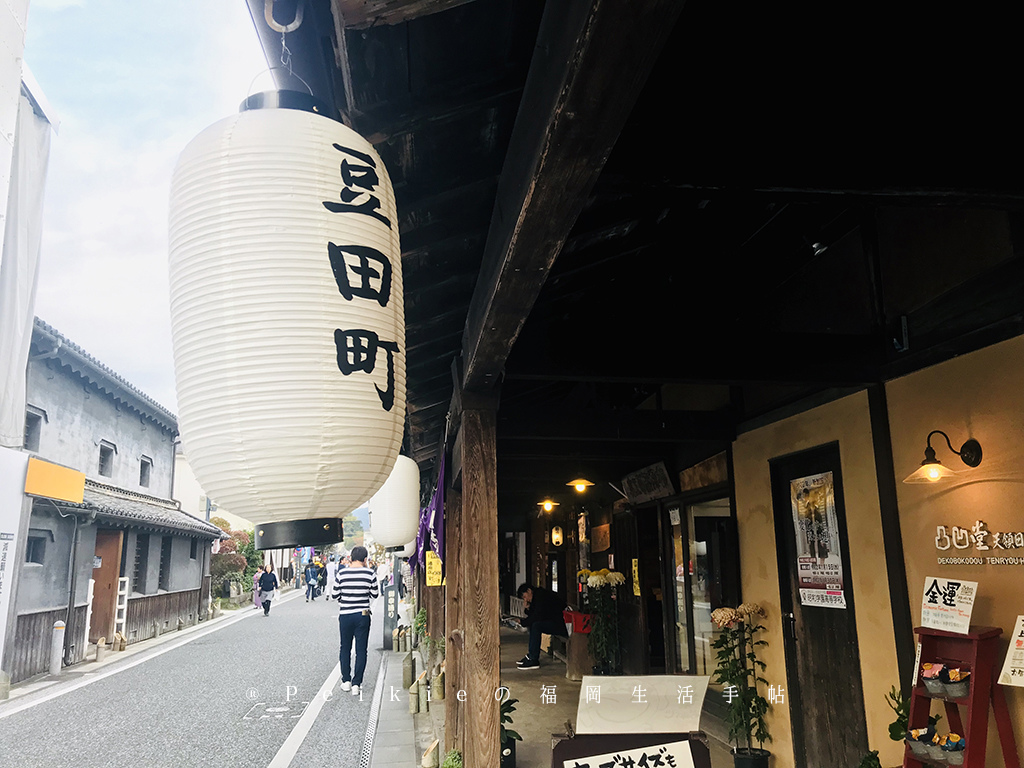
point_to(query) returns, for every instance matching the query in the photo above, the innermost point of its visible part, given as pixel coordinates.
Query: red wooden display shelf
(976, 651)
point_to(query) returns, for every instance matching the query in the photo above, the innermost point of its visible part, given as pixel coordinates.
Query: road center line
(13, 709)
(291, 745)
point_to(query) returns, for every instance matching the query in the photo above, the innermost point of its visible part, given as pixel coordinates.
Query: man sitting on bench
(543, 617)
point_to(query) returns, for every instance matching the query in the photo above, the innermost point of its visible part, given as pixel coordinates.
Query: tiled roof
(143, 511)
(106, 378)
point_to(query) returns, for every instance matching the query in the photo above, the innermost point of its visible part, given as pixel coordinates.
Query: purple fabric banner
(431, 530)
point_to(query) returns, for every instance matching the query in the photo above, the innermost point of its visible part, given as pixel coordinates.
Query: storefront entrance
(819, 624)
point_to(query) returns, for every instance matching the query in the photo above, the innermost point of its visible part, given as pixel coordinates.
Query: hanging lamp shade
(287, 312)
(407, 551)
(395, 508)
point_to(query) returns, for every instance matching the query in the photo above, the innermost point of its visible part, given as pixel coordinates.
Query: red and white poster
(819, 551)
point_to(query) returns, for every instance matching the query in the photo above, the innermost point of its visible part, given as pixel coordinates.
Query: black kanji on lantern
(365, 271)
(357, 351)
(359, 179)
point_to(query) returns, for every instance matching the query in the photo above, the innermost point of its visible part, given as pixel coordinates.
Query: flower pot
(957, 690)
(508, 754)
(919, 748)
(751, 758)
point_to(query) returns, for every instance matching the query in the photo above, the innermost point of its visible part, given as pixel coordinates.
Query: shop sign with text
(978, 545)
(947, 604)
(1013, 667)
(819, 552)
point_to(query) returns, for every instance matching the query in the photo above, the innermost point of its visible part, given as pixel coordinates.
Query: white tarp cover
(13, 466)
(19, 267)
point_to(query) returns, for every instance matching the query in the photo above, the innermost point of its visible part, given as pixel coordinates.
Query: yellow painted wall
(846, 421)
(980, 395)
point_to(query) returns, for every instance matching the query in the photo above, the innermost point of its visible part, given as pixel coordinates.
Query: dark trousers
(353, 626)
(539, 628)
(311, 590)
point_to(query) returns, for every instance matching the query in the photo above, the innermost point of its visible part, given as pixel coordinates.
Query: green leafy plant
(870, 760)
(740, 670)
(507, 708)
(452, 760)
(419, 624)
(901, 707)
(603, 642)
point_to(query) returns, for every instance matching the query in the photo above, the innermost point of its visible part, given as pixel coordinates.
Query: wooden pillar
(479, 617)
(452, 621)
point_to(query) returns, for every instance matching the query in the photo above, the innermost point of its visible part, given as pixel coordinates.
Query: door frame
(783, 469)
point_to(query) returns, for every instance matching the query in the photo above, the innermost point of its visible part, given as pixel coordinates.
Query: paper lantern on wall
(395, 508)
(407, 551)
(287, 312)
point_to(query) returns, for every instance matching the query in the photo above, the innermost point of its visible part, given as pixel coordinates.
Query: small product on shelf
(934, 748)
(957, 682)
(930, 675)
(918, 739)
(954, 749)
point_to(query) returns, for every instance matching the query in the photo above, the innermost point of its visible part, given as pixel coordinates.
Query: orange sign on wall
(53, 481)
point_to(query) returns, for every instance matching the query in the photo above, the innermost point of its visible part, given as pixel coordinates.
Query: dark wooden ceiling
(654, 225)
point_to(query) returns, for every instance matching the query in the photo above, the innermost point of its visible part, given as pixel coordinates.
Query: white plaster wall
(78, 417)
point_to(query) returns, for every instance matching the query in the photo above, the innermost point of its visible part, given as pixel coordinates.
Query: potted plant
(508, 736)
(740, 670)
(603, 642)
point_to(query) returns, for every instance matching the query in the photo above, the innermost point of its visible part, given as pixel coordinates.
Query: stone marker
(408, 670)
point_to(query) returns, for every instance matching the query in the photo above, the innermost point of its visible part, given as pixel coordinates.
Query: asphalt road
(229, 698)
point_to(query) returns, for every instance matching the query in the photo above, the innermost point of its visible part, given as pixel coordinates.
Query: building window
(141, 560)
(33, 428)
(193, 551)
(35, 552)
(107, 451)
(145, 465)
(165, 563)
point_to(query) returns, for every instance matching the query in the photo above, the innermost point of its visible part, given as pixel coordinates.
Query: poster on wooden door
(819, 551)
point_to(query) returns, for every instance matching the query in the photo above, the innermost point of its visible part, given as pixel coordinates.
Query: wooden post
(478, 582)
(452, 621)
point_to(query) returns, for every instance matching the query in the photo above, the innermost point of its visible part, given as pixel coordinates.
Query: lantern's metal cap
(286, 100)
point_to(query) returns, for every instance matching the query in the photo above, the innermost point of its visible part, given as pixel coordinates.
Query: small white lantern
(287, 312)
(407, 551)
(395, 508)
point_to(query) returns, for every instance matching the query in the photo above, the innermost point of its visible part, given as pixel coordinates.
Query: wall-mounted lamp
(547, 505)
(580, 484)
(932, 470)
(556, 536)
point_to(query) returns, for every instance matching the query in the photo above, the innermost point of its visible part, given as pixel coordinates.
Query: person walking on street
(354, 588)
(332, 571)
(543, 617)
(256, 589)
(268, 584)
(311, 578)
(321, 579)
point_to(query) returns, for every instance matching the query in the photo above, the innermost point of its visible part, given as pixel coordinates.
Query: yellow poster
(433, 570)
(636, 577)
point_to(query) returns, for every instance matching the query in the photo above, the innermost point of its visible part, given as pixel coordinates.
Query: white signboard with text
(648, 704)
(1013, 667)
(947, 604)
(676, 753)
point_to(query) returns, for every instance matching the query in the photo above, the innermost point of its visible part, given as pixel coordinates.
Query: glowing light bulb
(934, 474)
(580, 487)
(548, 506)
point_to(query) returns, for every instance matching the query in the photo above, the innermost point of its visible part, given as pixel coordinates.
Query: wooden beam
(454, 711)
(590, 62)
(360, 14)
(618, 426)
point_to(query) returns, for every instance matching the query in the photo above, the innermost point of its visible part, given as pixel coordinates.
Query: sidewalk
(394, 745)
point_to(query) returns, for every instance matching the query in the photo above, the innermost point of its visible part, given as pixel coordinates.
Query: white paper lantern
(287, 314)
(395, 508)
(407, 551)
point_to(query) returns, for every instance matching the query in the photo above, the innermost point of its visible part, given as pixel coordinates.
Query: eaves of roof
(96, 373)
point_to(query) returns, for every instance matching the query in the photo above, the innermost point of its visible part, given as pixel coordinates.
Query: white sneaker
(355, 690)
(346, 686)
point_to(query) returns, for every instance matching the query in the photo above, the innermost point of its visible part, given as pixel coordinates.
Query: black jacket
(268, 582)
(545, 606)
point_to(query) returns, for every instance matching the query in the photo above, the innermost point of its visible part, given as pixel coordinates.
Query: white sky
(132, 81)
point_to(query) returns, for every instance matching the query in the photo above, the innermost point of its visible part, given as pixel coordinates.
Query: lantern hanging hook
(268, 14)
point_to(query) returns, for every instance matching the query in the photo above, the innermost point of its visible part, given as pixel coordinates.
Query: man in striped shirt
(355, 588)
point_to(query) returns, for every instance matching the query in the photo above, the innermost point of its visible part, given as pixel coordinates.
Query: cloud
(133, 83)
